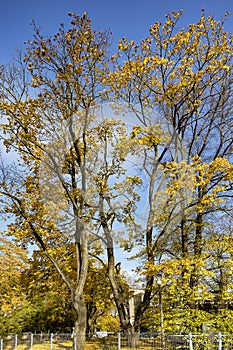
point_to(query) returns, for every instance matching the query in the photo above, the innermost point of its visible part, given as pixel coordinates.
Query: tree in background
(100, 304)
(13, 261)
(36, 300)
(45, 289)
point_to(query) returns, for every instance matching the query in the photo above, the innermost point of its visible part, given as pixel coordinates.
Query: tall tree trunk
(79, 302)
(130, 323)
(80, 323)
(197, 248)
(184, 237)
(120, 297)
(91, 319)
(143, 305)
(132, 337)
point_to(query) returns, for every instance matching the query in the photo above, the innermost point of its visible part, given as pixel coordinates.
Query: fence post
(31, 341)
(119, 340)
(75, 341)
(51, 341)
(1, 344)
(190, 341)
(16, 341)
(219, 341)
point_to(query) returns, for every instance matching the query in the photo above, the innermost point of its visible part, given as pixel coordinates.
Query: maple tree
(67, 154)
(73, 184)
(177, 86)
(66, 72)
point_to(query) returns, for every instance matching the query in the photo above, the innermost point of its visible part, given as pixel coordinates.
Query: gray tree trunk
(80, 323)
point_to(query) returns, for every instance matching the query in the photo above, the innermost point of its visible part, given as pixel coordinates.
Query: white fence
(29, 340)
(148, 341)
(189, 341)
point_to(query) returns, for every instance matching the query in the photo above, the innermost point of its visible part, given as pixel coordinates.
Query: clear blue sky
(130, 18)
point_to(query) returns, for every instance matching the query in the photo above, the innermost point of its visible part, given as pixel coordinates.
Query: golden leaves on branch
(169, 65)
(209, 180)
(150, 136)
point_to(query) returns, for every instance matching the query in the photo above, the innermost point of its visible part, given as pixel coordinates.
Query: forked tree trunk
(121, 298)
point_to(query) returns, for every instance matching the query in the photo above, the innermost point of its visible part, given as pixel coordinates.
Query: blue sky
(130, 18)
